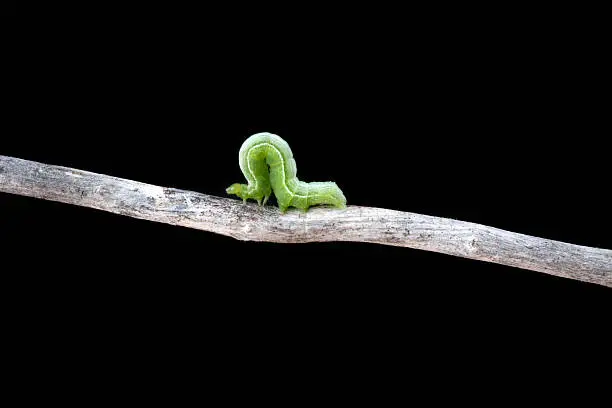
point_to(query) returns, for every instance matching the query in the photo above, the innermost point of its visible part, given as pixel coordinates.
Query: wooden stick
(252, 223)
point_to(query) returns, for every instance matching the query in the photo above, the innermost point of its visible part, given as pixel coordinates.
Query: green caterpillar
(268, 165)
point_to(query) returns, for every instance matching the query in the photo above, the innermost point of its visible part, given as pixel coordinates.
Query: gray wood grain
(249, 222)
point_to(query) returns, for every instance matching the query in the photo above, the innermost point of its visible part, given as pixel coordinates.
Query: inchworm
(268, 165)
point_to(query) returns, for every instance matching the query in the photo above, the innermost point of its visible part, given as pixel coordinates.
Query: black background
(8, 9)
(498, 123)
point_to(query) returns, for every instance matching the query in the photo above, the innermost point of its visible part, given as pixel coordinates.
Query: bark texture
(249, 222)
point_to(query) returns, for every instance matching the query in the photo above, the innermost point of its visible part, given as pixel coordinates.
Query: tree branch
(252, 223)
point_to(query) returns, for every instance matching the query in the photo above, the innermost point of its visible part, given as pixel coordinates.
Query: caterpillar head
(237, 189)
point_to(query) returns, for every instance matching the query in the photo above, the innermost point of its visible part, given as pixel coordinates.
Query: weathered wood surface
(252, 223)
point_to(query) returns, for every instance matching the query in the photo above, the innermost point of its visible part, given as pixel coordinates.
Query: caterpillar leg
(262, 199)
(245, 192)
